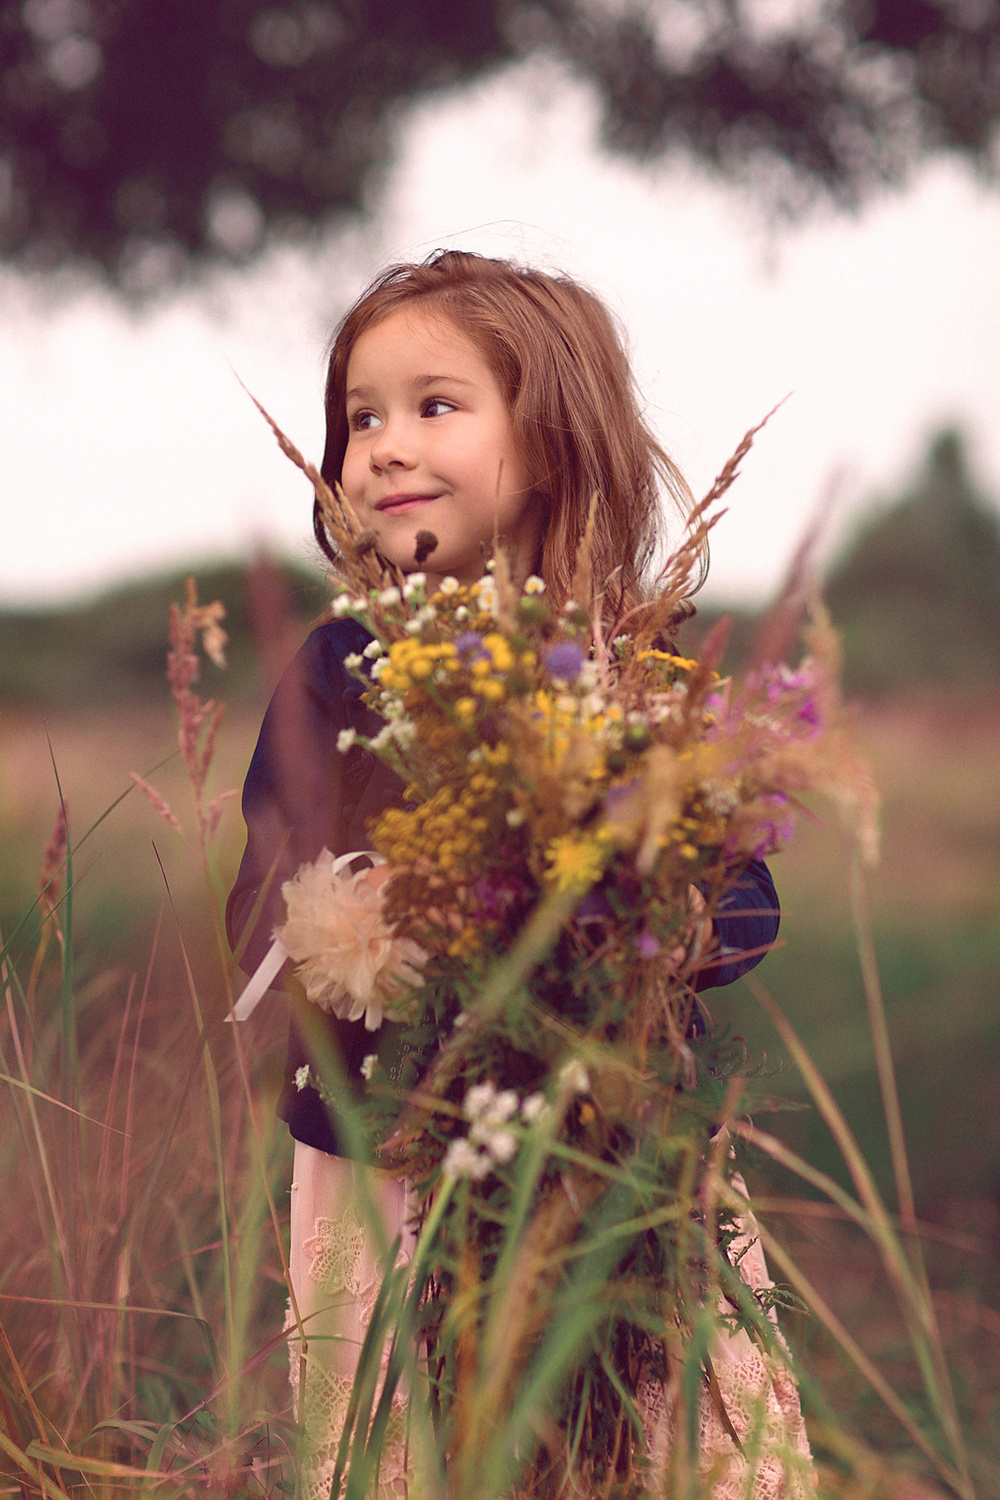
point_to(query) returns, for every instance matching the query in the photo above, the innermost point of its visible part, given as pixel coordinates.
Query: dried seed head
(53, 856)
(426, 544)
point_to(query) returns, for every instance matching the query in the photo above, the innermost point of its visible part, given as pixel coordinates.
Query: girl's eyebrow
(435, 379)
(364, 392)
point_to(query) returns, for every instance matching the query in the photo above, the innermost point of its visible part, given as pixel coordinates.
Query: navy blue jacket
(301, 796)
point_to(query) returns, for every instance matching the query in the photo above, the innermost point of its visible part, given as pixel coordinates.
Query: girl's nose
(391, 446)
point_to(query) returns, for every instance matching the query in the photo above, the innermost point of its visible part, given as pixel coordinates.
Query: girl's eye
(436, 407)
(362, 421)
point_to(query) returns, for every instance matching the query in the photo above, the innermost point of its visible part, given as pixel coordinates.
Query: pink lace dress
(336, 1274)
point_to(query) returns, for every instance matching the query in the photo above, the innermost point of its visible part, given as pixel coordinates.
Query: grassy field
(158, 1198)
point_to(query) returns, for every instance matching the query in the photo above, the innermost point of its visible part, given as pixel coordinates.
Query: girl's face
(431, 448)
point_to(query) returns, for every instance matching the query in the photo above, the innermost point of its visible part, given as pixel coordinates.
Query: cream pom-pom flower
(347, 957)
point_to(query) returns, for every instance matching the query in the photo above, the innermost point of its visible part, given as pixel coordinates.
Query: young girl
(468, 399)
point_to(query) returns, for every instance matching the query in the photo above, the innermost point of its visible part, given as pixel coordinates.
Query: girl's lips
(398, 505)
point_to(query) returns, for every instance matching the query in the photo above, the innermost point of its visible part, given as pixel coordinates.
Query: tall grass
(144, 1255)
(142, 1281)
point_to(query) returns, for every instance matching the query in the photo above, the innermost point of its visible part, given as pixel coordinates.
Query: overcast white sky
(128, 444)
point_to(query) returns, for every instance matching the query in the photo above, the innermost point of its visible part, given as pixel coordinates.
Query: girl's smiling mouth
(397, 505)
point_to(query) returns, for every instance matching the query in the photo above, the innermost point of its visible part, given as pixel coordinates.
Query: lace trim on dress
(335, 1251)
(758, 1394)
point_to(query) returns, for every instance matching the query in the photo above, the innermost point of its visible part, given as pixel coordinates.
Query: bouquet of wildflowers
(576, 810)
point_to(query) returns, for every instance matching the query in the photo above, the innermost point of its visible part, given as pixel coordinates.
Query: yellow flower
(499, 648)
(465, 944)
(576, 862)
(683, 663)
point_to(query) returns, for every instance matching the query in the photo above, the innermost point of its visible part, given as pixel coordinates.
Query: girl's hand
(696, 934)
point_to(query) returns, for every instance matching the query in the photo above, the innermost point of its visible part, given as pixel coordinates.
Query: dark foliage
(917, 594)
(141, 130)
(110, 650)
(136, 134)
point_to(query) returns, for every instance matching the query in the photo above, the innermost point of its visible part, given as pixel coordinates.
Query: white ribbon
(260, 981)
(276, 957)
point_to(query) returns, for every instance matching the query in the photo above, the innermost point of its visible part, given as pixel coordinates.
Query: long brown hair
(558, 358)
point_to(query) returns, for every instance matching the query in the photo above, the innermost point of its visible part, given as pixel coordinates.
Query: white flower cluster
(720, 800)
(487, 598)
(346, 954)
(490, 1142)
(399, 730)
(424, 615)
(344, 605)
(574, 1078)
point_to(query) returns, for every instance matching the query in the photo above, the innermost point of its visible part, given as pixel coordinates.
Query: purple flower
(470, 644)
(495, 896)
(617, 794)
(772, 836)
(778, 681)
(647, 945)
(593, 908)
(564, 660)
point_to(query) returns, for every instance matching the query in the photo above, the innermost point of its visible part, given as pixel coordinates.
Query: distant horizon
(307, 560)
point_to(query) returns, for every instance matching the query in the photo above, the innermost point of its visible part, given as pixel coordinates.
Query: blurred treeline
(109, 651)
(915, 594)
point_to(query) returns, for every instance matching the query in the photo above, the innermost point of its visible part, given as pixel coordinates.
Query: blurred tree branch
(136, 134)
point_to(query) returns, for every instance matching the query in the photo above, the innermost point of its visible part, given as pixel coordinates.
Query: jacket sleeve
(303, 794)
(746, 926)
(299, 789)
